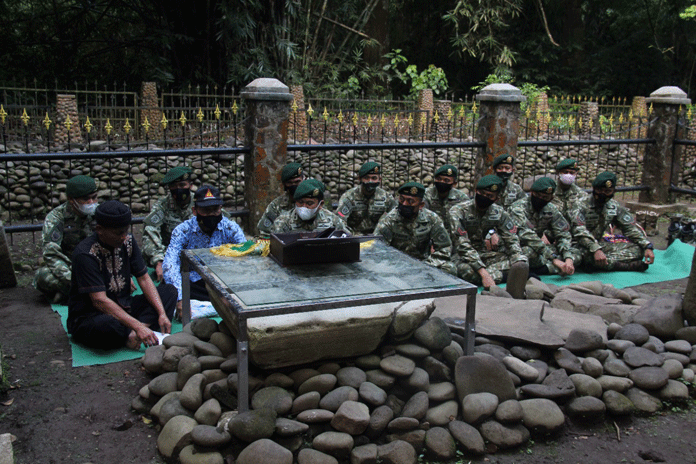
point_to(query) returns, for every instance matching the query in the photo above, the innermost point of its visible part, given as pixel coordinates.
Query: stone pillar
(66, 105)
(7, 274)
(499, 124)
(640, 117)
(589, 115)
(149, 108)
(298, 119)
(425, 107)
(266, 133)
(662, 162)
(541, 110)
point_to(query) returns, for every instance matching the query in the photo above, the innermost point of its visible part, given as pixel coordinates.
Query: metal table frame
(189, 261)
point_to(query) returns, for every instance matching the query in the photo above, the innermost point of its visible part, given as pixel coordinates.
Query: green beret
(446, 170)
(605, 179)
(290, 171)
(503, 159)
(544, 185)
(568, 163)
(176, 174)
(369, 168)
(310, 188)
(412, 188)
(490, 182)
(80, 186)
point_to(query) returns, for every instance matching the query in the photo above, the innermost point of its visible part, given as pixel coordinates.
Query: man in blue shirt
(206, 229)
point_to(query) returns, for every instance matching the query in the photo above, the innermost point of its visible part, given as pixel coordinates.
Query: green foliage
(688, 13)
(528, 89)
(432, 77)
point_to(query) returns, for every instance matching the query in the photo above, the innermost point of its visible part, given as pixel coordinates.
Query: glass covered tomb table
(254, 286)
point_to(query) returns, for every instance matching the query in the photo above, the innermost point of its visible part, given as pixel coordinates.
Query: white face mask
(567, 179)
(306, 213)
(87, 209)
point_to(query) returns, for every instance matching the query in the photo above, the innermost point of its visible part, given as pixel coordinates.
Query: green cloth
(309, 188)
(369, 168)
(503, 159)
(605, 179)
(177, 173)
(290, 171)
(446, 170)
(568, 163)
(544, 185)
(412, 188)
(490, 182)
(80, 186)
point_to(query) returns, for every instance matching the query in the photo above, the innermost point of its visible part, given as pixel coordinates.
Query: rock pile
(421, 395)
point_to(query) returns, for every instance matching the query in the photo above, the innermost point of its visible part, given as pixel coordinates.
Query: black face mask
(407, 211)
(482, 202)
(370, 187)
(291, 189)
(209, 223)
(504, 175)
(601, 198)
(181, 196)
(443, 187)
(538, 203)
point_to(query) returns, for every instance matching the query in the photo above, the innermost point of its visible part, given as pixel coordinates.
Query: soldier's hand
(495, 239)
(486, 279)
(600, 258)
(649, 257)
(569, 267)
(146, 335)
(545, 240)
(159, 273)
(560, 265)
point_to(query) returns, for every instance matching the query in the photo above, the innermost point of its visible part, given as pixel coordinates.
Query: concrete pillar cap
(265, 88)
(500, 92)
(670, 95)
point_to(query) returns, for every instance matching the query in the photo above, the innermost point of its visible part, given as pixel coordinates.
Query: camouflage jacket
(159, 225)
(469, 228)
(417, 237)
(289, 221)
(533, 224)
(510, 193)
(598, 220)
(440, 206)
(62, 230)
(362, 213)
(275, 208)
(567, 200)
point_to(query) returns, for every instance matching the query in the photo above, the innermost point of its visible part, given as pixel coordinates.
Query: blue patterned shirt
(188, 235)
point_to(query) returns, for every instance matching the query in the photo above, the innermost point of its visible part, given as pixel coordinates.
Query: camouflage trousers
(619, 252)
(496, 263)
(536, 260)
(51, 281)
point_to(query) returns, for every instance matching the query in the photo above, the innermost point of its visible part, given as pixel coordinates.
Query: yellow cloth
(250, 247)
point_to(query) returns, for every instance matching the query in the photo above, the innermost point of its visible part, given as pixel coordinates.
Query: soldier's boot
(517, 279)
(674, 228)
(687, 230)
(637, 266)
(651, 223)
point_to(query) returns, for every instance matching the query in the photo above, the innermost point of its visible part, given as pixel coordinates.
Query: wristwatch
(650, 246)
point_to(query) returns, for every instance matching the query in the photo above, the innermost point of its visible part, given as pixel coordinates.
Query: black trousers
(99, 330)
(199, 292)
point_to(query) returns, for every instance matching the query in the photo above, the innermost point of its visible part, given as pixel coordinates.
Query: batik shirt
(362, 213)
(188, 235)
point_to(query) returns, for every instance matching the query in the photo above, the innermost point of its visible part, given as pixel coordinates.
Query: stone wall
(66, 107)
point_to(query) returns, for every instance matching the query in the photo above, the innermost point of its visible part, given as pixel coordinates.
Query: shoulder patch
(56, 234)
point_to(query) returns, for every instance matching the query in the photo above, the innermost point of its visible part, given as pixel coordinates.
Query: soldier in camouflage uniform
(291, 175)
(599, 213)
(308, 213)
(415, 230)
(504, 167)
(567, 194)
(169, 211)
(472, 224)
(363, 205)
(543, 231)
(442, 195)
(65, 227)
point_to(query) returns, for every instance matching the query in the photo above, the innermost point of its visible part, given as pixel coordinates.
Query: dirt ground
(61, 414)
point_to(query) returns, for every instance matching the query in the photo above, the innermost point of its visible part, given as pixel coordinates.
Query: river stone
(180, 339)
(157, 408)
(371, 394)
(467, 436)
(674, 368)
(617, 367)
(380, 378)
(583, 340)
(322, 383)
(141, 405)
(442, 414)
(209, 436)
(619, 346)
(253, 425)
(649, 378)
(497, 351)
(504, 436)
(681, 358)
(541, 367)
(413, 351)
(174, 432)
(592, 367)
(687, 333)
(640, 357)
(559, 379)
(277, 379)
(477, 407)
(542, 415)
(329, 368)
(230, 363)
(617, 403)
(368, 362)
(525, 353)
(171, 408)
(633, 332)
(352, 417)
(415, 438)
(419, 380)
(595, 286)
(688, 375)
(333, 400)
(299, 376)
(520, 368)
(191, 455)
(679, 346)
(152, 359)
(203, 328)
(395, 403)
(433, 334)
(586, 408)
(224, 342)
(275, 398)
(534, 390)
(379, 419)
(208, 413)
(192, 394)
(586, 385)
(209, 362)
(442, 391)
(397, 365)
(661, 315)
(477, 374)
(609, 291)
(402, 424)
(611, 382)
(315, 416)
(351, 377)
(272, 453)
(673, 391)
(309, 400)
(644, 401)
(163, 384)
(397, 452)
(417, 406)
(437, 370)
(312, 456)
(508, 412)
(451, 353)
(654, 344)
(365, 454)
(568, 361)
(440, 444)
(289, 428)
(337, 444)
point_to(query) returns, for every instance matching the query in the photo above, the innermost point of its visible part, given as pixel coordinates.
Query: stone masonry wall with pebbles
(418, 396)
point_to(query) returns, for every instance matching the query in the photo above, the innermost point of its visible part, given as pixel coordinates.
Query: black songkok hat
(113, 214)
